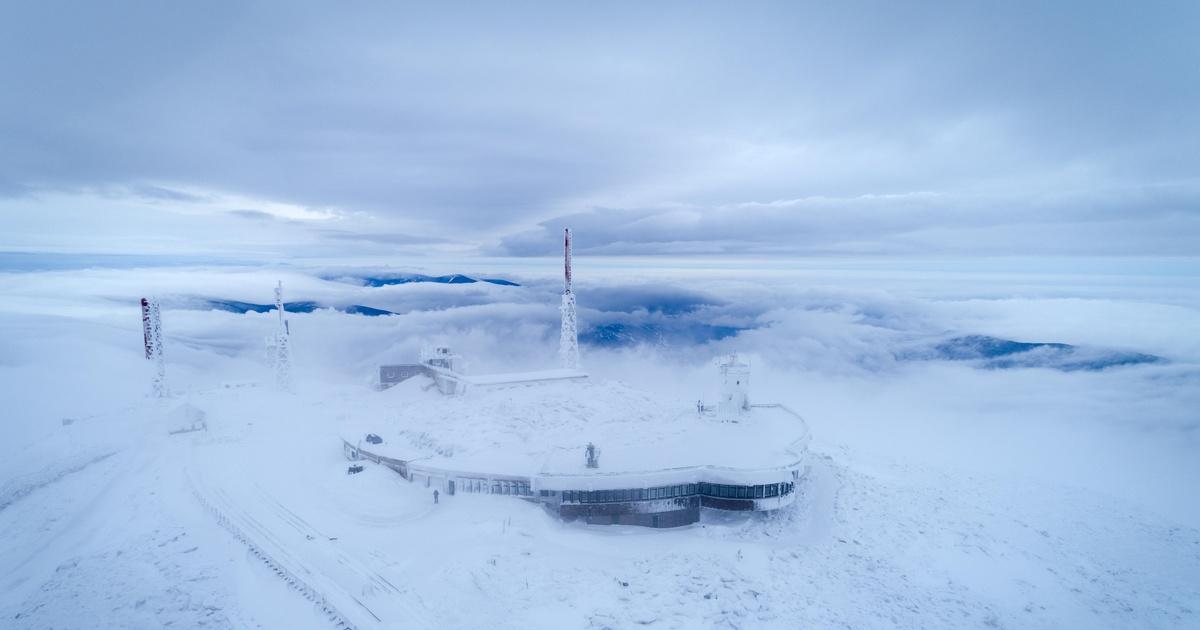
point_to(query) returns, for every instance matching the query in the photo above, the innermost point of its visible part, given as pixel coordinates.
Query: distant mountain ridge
(383, 280)
(235, 306)
(669, 332)
(999, 354)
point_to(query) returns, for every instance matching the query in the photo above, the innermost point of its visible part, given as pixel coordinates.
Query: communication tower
(568, 339)
(283, 359)
(152, 339)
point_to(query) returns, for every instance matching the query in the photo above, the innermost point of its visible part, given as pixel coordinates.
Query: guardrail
(294, 581)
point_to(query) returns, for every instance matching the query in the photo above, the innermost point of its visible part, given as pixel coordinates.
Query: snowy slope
(938, 496)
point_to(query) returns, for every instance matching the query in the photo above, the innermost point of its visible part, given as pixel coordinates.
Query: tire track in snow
(363, 572)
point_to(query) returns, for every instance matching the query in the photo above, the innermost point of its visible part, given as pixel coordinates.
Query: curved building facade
(656, 498)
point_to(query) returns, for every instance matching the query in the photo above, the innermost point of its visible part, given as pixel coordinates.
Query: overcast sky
(744, 129)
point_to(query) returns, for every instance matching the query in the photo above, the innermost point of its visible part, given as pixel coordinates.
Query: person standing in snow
(435, 496)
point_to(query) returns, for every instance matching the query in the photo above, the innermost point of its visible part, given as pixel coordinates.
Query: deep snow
(939, 495)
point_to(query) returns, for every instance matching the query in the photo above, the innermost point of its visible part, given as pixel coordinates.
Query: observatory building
(597, 452)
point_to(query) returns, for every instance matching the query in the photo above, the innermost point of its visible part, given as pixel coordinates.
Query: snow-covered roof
(544, 430)
(516, 378)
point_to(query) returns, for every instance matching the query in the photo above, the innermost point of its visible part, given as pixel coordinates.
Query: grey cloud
(1139, 219)
(391, 238)
(254, 215)
(487, 121)
(163, 193)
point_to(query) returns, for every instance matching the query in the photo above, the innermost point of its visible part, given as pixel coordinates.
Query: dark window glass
(758, 492)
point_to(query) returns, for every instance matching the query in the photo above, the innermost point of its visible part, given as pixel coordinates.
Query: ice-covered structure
(283, 352)
(152, 338)
(568, 338)
(660, 466)
(446, 368)
(735, 387)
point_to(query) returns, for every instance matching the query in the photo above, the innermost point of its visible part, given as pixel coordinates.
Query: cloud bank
(298, 130)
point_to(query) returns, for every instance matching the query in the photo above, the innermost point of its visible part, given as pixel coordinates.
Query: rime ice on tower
(568, 340)
(153, 340)
(283, 360)
(735, 385)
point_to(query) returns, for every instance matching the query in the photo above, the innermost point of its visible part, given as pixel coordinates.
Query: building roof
(544, 429)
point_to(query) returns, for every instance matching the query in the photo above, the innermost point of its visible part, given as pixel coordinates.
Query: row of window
(516, 488)
(764, 491)
(681, 490)
(636, 494)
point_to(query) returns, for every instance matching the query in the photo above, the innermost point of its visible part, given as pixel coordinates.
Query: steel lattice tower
(568, 340)
(283, 359)
(153, 339)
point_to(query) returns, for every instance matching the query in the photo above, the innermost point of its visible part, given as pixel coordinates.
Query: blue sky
(268, 130)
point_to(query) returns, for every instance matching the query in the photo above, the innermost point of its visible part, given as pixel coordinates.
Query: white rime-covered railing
(331, 612)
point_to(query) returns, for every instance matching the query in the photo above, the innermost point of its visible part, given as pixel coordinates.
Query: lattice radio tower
(152, 338)
(568, 339)
(283, 355)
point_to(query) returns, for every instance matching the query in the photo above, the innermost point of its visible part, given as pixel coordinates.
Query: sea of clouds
(851, 345)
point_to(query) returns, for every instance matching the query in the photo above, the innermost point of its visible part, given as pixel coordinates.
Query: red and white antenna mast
(567, 259)
(568, 340)
(152, 340)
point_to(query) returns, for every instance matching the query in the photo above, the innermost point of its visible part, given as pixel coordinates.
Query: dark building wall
(733, 505)
(667, 513)
(390, 375)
